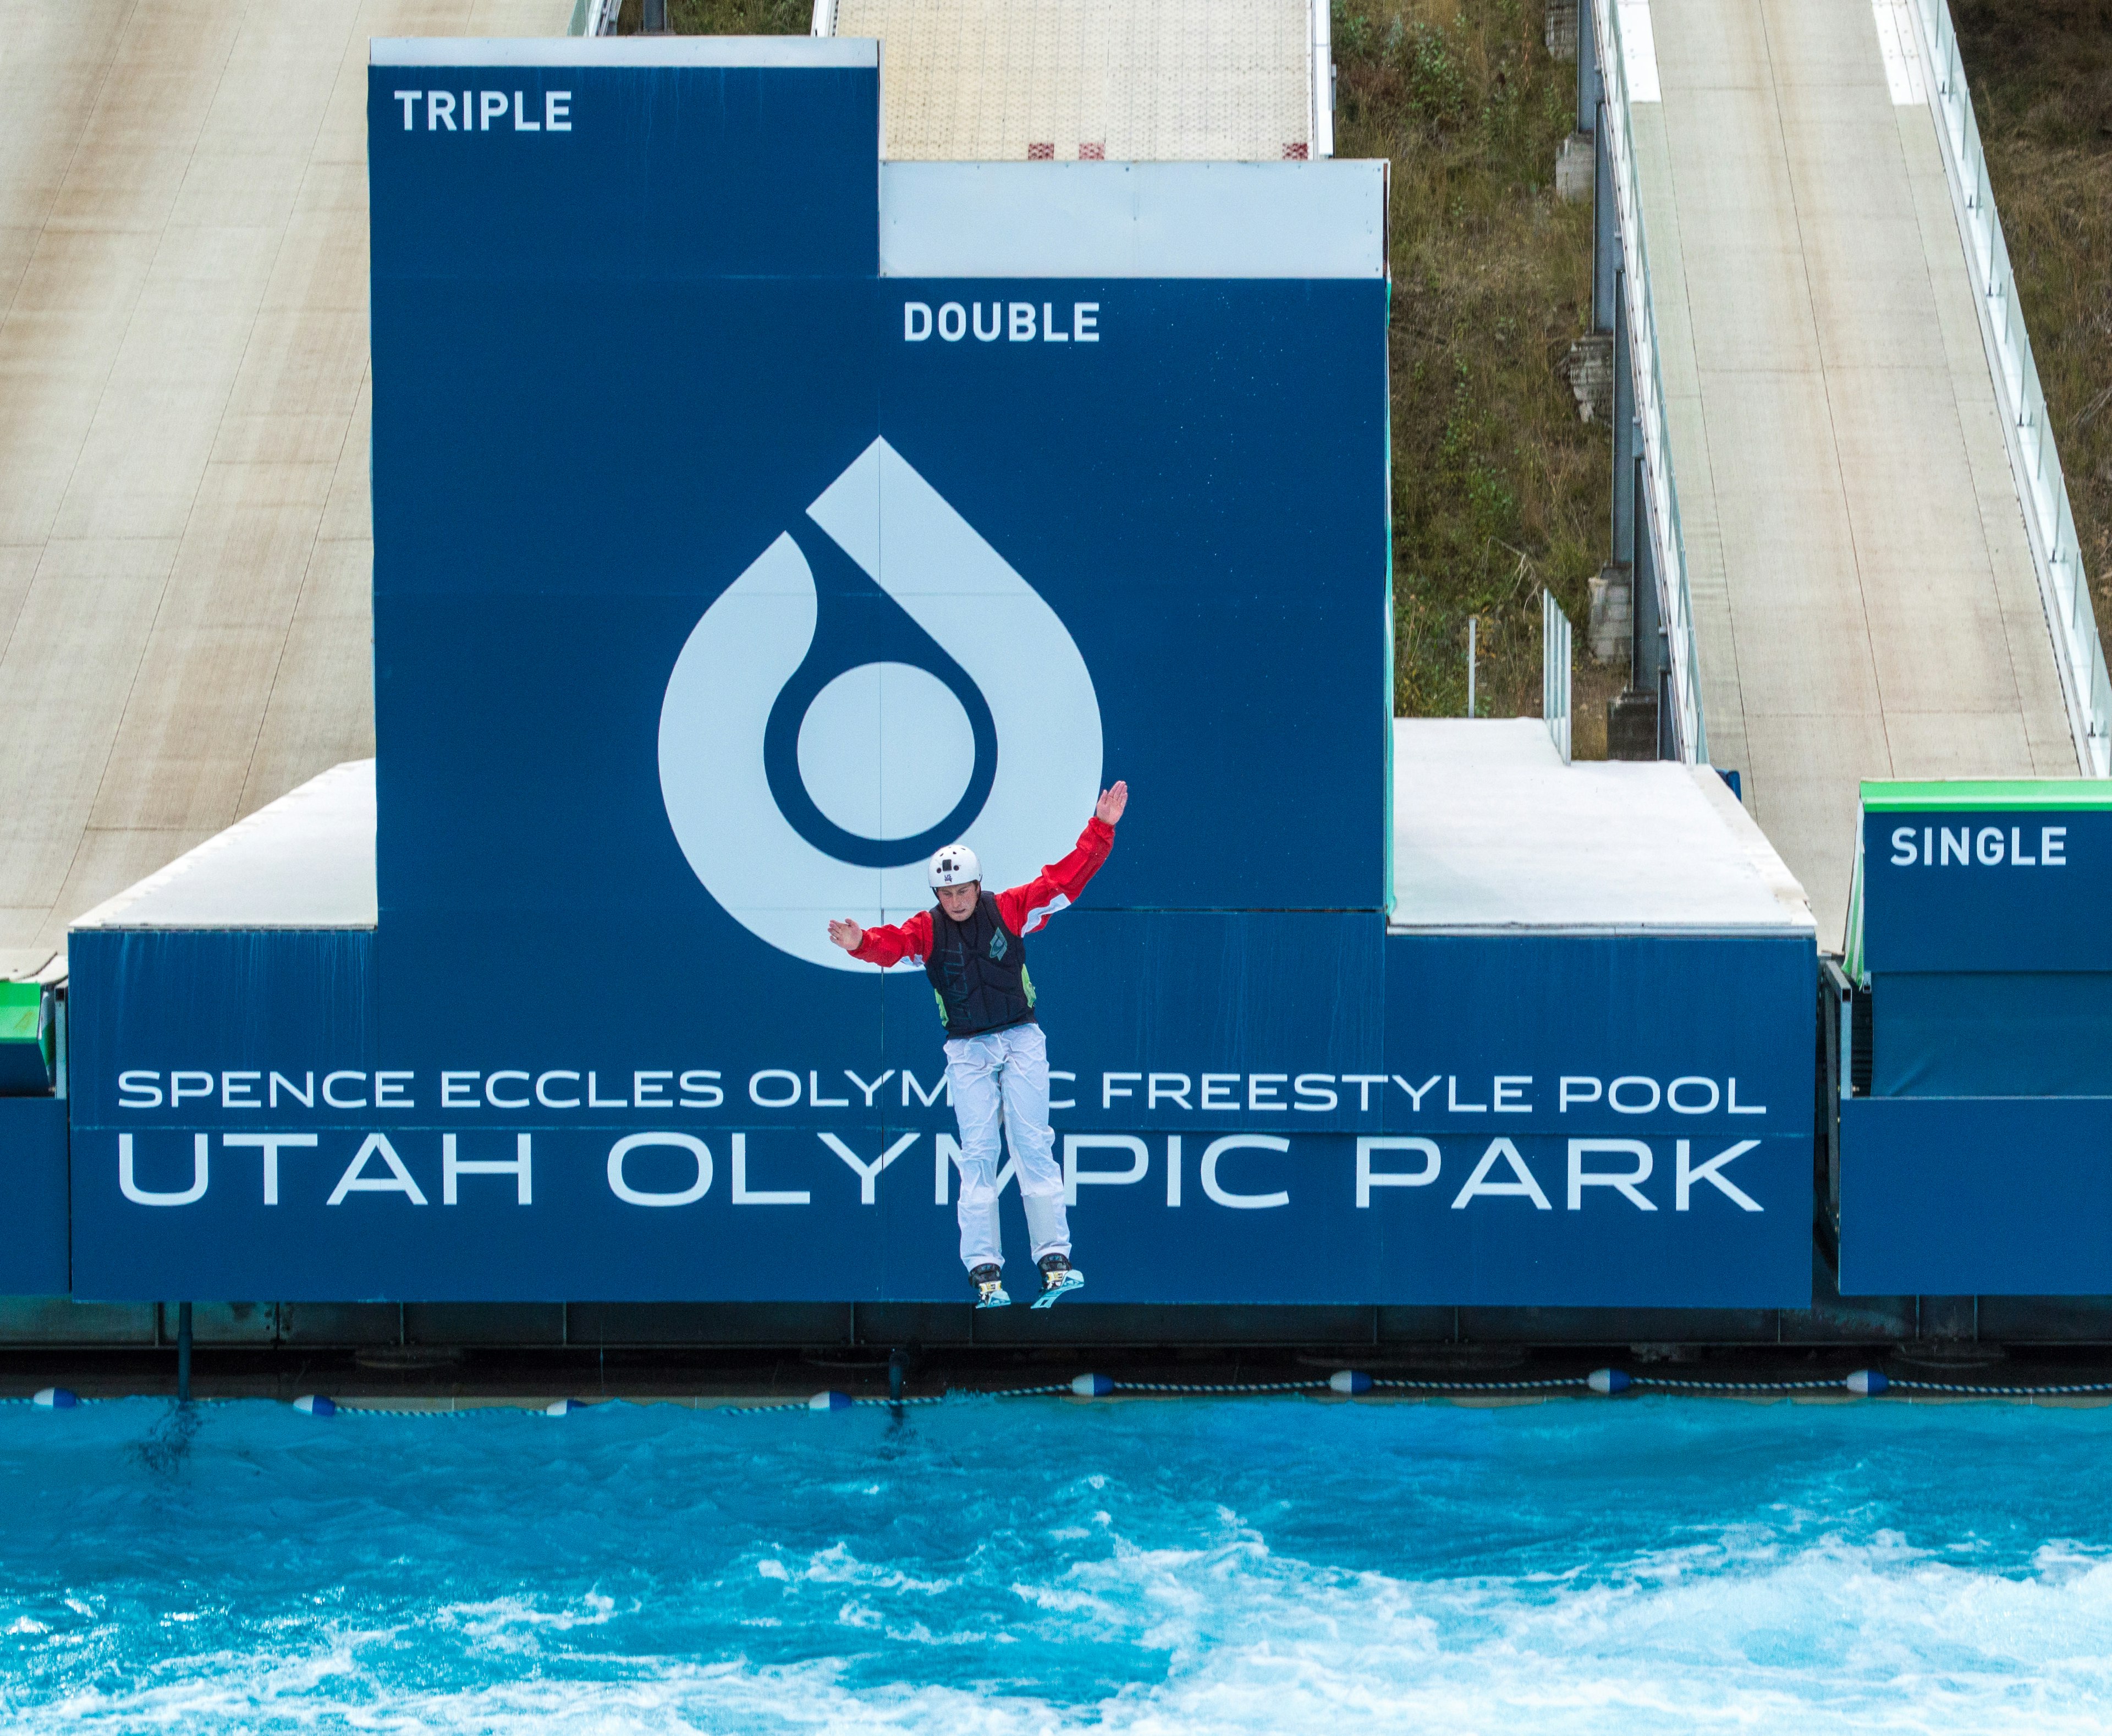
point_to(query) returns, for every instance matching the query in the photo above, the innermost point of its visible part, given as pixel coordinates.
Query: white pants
(1005, 1073)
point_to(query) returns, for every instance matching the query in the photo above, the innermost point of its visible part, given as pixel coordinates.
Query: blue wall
(1976, 1196)
(1953, 889)
(1312, 1031)
(33, 1159)
(1989, 943)
(1976, 1165)
(663, 471)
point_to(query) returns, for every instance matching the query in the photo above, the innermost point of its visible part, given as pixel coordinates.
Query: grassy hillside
(1497, 487)
(2040, 72)
(729, 17)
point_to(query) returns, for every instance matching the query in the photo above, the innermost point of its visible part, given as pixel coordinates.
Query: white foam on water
(1627, 1570)
(1876, 1637)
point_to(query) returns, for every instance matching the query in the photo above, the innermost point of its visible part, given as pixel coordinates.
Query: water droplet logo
(877, 683)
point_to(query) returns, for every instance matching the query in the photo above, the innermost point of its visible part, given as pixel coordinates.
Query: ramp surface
(1113, 80)
(185, 554)
(1865, 598)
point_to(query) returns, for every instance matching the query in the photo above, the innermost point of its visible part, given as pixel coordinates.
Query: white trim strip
(1057, 219)
(797, 52)
(1321, 55)
(1639, 51)
(1897, 41)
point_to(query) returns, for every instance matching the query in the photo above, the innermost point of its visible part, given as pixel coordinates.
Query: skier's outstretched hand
(1112, 802)
(848, 935)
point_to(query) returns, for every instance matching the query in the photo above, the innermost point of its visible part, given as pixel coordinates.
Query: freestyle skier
(973, 947)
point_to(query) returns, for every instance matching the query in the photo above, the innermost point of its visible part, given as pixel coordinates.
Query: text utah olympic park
(377, 1165)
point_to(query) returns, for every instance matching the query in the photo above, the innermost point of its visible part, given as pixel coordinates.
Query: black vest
(978, 971)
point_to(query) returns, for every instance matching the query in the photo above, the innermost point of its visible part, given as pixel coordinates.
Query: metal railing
(1320, 51)
(2056, 553)
(1676, 607)
(1556, 662)
(594, 17)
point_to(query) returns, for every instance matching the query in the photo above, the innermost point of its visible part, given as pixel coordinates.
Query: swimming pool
(1029, 1566)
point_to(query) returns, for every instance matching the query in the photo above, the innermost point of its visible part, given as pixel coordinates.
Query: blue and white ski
(1057, 1285)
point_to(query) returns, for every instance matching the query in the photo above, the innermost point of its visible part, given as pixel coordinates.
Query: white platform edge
(305, 861)
(1787, 889)
(1098, 220)
(1598, 830)
(795, 52)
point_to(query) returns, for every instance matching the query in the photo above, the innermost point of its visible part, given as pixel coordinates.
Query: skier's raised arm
(886, 943)
(1025, 908)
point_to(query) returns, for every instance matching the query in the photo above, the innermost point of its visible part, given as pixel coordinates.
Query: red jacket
(1024, 909)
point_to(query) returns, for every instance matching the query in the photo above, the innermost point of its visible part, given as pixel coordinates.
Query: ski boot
(1058, 1279)
(990, 1288)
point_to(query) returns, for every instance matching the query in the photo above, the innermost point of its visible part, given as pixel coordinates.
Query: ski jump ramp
(185, 554)
(1864, 598)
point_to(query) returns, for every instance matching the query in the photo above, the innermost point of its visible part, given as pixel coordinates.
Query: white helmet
(954, 866)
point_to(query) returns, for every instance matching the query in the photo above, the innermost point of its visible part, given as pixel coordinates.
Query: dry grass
(728, 17)
(1497, 487)
(2041, 76)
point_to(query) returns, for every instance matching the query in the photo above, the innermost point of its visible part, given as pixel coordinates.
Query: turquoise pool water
(991, 1565)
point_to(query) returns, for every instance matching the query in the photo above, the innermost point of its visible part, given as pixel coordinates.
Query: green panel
(1851, 952)
(21, 1012)
(26, 1041)
(1994, 795)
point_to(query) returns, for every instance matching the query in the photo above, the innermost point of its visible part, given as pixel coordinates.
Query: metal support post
(1650, 654)
(1835, 999)
(1605, 229)
(1647, 653)
(1470, 666)
(1635, 725)
(1625, 438)
(183, 1353)
(1588, 95)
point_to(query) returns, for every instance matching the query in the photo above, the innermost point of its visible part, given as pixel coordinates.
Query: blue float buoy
(1607, 1380)
(55, 1398)
(1092, 1386)
(314, 1403)
(562, 1407)
(1349, 1380)
(1865, 1383)
(830, 1402)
